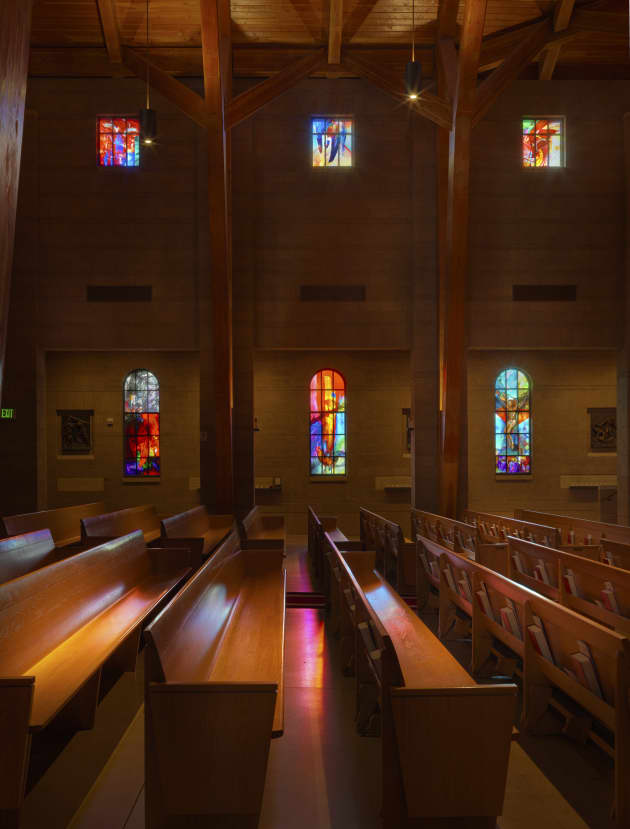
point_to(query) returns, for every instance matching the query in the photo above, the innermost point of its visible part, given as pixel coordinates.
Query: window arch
(513, 422)
(142, 424)
(328, 423)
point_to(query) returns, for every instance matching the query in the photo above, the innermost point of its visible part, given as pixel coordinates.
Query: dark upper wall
(340, 226)
(560, 226)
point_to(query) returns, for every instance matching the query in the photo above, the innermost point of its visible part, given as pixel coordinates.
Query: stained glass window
(332, 142)
(328, 423)
(118, 141)
(142, 424)
(512, 418)
(543, 142)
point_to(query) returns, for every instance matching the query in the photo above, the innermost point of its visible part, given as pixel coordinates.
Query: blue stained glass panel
(512, 423)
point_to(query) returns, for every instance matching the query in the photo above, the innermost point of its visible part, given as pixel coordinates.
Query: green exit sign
(7, 414)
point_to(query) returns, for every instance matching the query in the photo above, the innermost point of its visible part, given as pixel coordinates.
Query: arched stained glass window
(328, 423)
(513, 423)
(142, 424)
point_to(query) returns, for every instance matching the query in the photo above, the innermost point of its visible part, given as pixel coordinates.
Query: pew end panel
(494, 556)
(478, 720)
(20, 554)
(16, 699)
(207, 747)
(165, 557)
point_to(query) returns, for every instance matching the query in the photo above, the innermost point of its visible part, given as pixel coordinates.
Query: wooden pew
(615, 553)
(566, 572)
(198, 530)
(63, 523)
(100, 528)
(493, 528)
(317, 526)
(434, 719)
(214, 691)
(458, 536)
(21, 554)
(260, 530)
(59, 626)
(577, 531)
(564, 631)
(395, 554)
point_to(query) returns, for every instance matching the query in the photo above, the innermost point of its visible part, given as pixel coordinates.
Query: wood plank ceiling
(68, 36)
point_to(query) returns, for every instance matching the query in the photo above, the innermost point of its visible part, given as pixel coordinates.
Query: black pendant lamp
(148, 116)
(413, 70)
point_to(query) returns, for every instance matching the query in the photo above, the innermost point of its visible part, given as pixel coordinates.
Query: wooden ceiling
(68, 35)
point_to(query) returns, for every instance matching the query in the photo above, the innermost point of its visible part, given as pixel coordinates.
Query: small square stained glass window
(542, 142)
(332, 142)
(118, 141)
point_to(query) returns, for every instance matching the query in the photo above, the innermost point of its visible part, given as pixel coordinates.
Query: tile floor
(321, 775)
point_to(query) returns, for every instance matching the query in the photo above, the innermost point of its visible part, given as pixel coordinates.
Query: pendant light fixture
(413, 70)
(148, 118)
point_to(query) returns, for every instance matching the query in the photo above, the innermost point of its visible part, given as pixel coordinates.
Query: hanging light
(148, 117)
(413, 70)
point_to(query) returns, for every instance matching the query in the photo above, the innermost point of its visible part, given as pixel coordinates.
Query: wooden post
(455, 342)
(623, 361)
(216, 453)
(15, 30)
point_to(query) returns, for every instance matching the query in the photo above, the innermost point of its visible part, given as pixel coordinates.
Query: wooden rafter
(431, 106)
(109, 25)
(335, 28)
(243, 106)
(173, 90)
(531, 45)
(561, 18)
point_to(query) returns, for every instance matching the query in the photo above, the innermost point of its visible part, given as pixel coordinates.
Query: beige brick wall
(377, 388)
(564, 385)
(93, 380)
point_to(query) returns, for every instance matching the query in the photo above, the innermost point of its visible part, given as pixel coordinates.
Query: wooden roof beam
(335, 29)
(430, 106)
(109, 25)
(490, 89)
(561, 18)
(248, 103)
(173, 90)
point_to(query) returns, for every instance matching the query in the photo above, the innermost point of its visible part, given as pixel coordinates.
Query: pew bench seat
(214, 693)
(62, 671)
(60, 626)
(197, 529)
(257, 529)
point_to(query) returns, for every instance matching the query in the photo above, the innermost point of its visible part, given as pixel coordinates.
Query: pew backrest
(41, 609)
(616, 553)
(21, 554)
(63, 522)
(492, 527)
(458, 535)
(585, 532)
(121, 522)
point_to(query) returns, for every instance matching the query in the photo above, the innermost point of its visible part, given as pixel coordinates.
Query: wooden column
(623, 360)
(216, 456)
(455, 345)
(15, 30)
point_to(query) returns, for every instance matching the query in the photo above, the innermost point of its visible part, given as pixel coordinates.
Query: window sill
(514, 479)
(328, 479)
(154, 479)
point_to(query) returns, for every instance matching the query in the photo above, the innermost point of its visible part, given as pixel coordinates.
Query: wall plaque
(75, 431)
(603, 430)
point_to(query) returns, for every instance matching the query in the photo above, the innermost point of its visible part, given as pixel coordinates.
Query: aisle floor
(321, 775)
